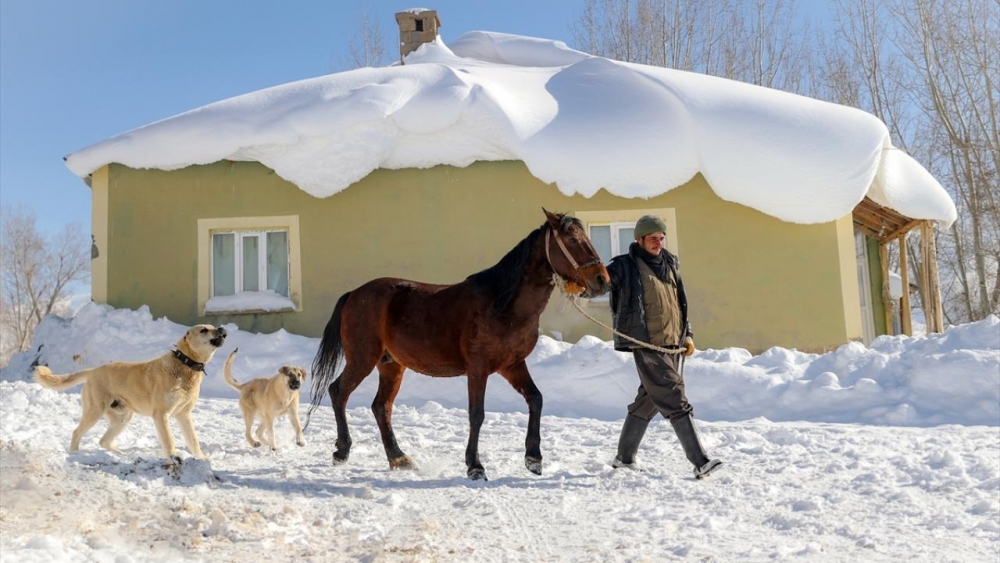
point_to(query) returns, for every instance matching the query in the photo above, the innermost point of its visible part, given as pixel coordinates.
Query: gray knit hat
(649, 224)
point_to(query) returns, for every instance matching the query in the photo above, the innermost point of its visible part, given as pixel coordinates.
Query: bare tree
(757, 41)
(367, 46)
(954, 49)
(35, 273)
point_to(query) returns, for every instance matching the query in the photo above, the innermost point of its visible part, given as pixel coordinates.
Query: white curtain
(277, 262)
(223, 264)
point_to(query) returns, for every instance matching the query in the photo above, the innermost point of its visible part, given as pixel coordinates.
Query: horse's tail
(330, 351)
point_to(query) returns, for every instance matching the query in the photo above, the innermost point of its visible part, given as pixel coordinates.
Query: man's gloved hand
(688, 346)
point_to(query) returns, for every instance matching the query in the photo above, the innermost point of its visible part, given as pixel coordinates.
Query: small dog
(269, 398)
(160, 388)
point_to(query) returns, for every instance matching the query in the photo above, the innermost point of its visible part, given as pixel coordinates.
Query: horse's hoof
(340, 457)
(402, 462)
(534, 464)
(477, 474)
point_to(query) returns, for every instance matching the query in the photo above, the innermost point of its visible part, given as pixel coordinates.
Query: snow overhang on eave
(562, 113)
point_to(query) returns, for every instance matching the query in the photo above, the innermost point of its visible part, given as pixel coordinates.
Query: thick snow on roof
(579, 121)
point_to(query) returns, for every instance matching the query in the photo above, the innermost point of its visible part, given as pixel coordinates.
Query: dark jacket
(627, 309)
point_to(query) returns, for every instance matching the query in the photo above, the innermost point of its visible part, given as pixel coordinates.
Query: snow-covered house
(263, 209)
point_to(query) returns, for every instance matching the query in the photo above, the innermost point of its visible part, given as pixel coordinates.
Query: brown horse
(485, 324)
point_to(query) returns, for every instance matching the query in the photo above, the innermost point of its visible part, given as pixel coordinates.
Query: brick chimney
(416, 27)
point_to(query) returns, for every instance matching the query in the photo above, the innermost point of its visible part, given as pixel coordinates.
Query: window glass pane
(277, 262)
(600, 235)
(223, 264)
(626, 236)
(251, 263)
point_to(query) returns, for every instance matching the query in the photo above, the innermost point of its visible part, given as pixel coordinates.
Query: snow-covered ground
(881, 453)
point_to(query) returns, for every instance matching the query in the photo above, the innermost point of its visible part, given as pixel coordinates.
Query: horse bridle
(572, 262)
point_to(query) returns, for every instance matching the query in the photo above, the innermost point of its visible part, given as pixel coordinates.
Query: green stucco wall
(753, 281)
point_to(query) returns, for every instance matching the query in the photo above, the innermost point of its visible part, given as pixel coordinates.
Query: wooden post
(883, 258)
(932, 274)
(925, 281)
(905, 322)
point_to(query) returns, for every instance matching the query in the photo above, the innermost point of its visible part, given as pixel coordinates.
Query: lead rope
(559, 282)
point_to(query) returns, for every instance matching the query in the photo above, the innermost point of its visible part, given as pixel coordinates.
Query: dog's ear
(184, 344)
(287, 371)
(302, 373)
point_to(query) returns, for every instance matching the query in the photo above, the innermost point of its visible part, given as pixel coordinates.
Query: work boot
(707, 469)
(628, 444)
(688, 437)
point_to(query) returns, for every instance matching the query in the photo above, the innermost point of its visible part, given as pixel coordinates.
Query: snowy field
(881, 453)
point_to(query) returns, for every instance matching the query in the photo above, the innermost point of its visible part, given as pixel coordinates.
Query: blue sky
(75, 73)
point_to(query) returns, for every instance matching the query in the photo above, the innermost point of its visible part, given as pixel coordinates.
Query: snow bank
(949, 378)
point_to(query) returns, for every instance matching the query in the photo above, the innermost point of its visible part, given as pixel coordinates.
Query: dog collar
(197, 366)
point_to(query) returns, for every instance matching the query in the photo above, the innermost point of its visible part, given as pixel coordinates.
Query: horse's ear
(553, 219)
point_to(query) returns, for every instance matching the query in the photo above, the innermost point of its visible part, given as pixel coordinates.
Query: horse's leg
(519, 378)
(477, 413)
(390, 378)
(340, 391)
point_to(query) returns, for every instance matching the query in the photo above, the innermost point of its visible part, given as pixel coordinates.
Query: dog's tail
(329, 353)
(45, 377)
(227, 371)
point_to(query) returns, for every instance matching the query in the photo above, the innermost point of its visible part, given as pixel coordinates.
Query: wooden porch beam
(868, 231)
(901, 232)
(932, 273)
(905, 320)
(925, 282)
(878, 229)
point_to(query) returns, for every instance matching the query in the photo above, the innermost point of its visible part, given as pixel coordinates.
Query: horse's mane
(503, 278)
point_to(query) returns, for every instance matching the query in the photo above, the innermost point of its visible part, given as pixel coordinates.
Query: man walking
(648, 303)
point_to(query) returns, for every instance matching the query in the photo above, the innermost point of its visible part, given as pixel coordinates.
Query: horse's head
(571, 254)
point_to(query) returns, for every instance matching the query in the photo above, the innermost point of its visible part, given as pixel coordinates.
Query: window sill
(250, 302)
(249, 311)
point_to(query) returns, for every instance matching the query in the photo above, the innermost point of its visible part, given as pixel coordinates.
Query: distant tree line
(928, 68)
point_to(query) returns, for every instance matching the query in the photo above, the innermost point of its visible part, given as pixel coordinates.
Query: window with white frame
(250, 270)
(249, 265)
(611, 239)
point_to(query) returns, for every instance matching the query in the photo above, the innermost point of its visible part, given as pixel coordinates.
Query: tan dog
(269, 398)
(162, 387)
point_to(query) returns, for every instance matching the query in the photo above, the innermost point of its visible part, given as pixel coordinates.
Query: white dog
(162, 387)
(269, 398)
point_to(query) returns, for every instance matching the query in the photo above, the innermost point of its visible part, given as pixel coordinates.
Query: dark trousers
(661, 387)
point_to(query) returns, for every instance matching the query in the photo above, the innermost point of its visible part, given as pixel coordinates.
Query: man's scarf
(656, 263)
